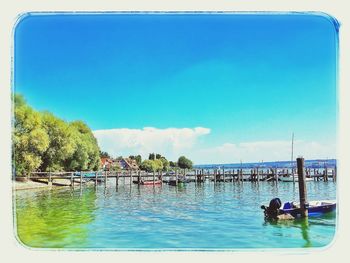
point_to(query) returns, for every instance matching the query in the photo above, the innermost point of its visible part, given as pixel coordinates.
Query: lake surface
(196, 217)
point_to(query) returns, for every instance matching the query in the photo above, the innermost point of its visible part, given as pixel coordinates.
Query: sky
(217, 88)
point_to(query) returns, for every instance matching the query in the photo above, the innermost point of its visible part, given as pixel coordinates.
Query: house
(128, 164)
(106, 163)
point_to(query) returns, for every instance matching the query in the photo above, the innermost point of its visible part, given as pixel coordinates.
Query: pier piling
(302, 187)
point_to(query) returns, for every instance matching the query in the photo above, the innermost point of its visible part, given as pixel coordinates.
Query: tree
(104, 155)
(151, 156)
(43, 141)
(138, 159)
(62, 143)
(148, 166)
(173, 164)
(184, 163)
(165, 163)
(158, 165)
(158, 156)
(30, 140)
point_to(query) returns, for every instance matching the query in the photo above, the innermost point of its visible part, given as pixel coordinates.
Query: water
(206, 216)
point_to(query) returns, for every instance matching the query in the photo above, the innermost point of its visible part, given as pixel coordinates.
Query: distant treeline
(44, 142)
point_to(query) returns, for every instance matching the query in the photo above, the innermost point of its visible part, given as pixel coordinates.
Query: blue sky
(247, 81)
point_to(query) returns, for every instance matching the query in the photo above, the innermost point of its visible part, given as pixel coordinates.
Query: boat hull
(313, 210)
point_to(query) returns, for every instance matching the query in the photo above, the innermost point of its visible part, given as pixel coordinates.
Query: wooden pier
(195, 175)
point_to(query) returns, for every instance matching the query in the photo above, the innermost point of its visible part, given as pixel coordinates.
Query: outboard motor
(272, 211)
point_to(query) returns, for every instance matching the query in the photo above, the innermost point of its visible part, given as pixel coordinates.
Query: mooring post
(50, 180)
(335, 174)
(154, 177)
(81, 178)
(71, 180)
(302, 187)
(223, 173)
(215, 175)
(105, 179)
(96, 179)
(195, 175)
(130, 172)
(117, 180)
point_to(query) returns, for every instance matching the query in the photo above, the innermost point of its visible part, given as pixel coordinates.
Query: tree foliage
(148, 166)
(184, 163)
(44, 142)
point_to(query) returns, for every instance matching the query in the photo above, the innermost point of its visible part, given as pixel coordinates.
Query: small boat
(314, 208)
(290, 179)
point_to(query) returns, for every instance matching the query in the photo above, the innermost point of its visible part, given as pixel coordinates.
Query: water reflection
(42, 216)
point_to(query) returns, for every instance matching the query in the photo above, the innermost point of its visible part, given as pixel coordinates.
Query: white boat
(290, 179)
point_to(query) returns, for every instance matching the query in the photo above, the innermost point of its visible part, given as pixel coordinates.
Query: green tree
(173, 164)
(87, 153)
(30, 140)
(104, 155)
(148, 166)
(184, 163)
(158, 156)
(151, 156)
(165, 163)
(138, 159)
(63, 143)
(158, 165)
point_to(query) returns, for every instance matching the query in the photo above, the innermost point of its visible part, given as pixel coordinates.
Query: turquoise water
(203, 216)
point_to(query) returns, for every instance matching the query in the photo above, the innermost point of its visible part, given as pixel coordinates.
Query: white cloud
(263, 150)
(170, 142)
(173, 142)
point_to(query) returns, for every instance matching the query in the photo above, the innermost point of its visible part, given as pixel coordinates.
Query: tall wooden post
(50, 180)
(105, 179)
(81, 179)
(96, 179)
(215, 175)
(195, 175)
(71, 180)
(302, 187)
(154, 177)
(117, 180)
(223, 174)
(130, 177)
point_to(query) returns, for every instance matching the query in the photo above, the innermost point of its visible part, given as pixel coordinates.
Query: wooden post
(302, 187)
(50, 180)
(105, 179)
(130, 177)
(81, 179)
(139, 177)
(117, 180)
(96, 179)
(215, 175)
(241, 174)
(335, 174)
(195, 176)
(154, 177)
(71, 180)
(223, 173)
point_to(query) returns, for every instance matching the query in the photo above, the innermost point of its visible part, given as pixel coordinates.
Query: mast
(292, 157)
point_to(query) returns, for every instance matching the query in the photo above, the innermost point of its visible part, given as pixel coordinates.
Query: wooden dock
(195, 175)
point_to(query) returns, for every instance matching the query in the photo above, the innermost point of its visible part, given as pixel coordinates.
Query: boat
(315, 208)
(290, 178)
(178, 181)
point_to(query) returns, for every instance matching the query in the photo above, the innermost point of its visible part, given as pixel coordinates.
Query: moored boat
(290, 179)
(314, 208)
